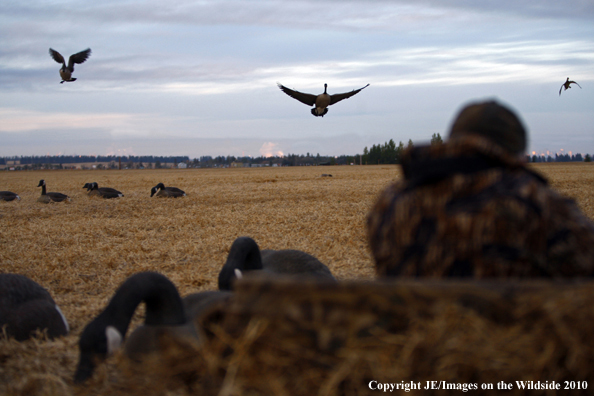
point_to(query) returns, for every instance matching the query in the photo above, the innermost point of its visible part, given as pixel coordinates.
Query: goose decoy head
(244, 255)
(158, 187)
(104, 334)
(96, 344)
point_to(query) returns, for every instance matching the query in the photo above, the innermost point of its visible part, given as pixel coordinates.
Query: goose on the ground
(9, 196)
(47, 197)
(567, 84)
(166, 314)
(245, 255)
(66, 71)
(25, 306)
(167, 192)
(321, 101)
(93, 189)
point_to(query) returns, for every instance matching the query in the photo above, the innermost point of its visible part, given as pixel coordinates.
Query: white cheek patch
(63, 318)
(114, 340)
(238, 273)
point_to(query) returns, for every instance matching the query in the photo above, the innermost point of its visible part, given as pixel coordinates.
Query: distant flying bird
(566, 85)
(322, 101)
(66, 71)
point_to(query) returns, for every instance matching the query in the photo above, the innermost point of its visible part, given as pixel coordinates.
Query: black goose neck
(163, 303)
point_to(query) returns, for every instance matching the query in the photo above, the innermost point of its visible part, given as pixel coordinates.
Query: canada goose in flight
(322, 101)
(93, 189)
(166, 314)
(66, 71)
(47, 197)
(167, 192)
(25, 306)
(8, 196)
(245, 255)
(567, 84)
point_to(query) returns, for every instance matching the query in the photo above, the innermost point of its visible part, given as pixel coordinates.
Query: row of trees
(79, 159)
(389, 153)
(560, 158)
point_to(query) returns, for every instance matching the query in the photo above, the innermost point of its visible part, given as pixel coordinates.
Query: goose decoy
(167, 192)
(25, 306)
(66, 71)
(322, 101)
(166, 314)
(47, 197)
(9, 196)
(245, 255)
(93, 189)
(567, 85)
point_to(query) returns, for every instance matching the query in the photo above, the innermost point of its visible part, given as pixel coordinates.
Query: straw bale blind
(286, 337)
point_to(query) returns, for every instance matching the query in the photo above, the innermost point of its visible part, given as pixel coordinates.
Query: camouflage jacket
(466, 208)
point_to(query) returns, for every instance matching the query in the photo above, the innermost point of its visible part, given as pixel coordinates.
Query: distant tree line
(286, 160)
(77, 159)
(389, 153)
(560, 158)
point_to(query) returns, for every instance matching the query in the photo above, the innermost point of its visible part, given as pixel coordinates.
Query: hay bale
(281, 337)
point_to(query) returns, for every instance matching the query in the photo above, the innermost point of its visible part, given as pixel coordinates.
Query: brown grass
(82, 250)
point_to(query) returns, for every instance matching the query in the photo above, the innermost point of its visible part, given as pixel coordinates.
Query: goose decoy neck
(163, 303)
(42, 185)
(163, 307)
(244, 255)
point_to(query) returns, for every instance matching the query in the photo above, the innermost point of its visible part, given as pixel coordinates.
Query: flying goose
(93, 189)
(167, 192)
(245, 255)
(322, 101)
(567, 84)
(66, 71)
(8, 196)
(166, 314)
(47, 197)
(25, 306)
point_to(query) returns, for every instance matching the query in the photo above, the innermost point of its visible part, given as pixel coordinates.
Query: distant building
(182, 165)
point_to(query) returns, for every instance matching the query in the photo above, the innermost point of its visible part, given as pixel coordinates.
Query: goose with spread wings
(321, 101)
(66, 71)
(567, 84)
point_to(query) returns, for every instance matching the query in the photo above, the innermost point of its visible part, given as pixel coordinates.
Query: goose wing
(308, 99)
(561, 89)
(79, 57)
(573, 82)
(56, 56)
(338, 97)
(175, 190)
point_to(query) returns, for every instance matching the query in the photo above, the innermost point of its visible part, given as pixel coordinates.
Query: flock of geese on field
(93, 189)
(26, 307)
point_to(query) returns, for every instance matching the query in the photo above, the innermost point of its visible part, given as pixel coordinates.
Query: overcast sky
(199, 77)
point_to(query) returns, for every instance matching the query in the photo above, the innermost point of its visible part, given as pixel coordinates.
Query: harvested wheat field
(82, 250)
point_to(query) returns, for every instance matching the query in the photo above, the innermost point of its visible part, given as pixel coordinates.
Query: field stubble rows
(82, 250)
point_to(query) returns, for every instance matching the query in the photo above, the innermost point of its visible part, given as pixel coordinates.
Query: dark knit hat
(493, 121)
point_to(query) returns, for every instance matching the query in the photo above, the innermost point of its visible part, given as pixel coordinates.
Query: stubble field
(82, 250)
